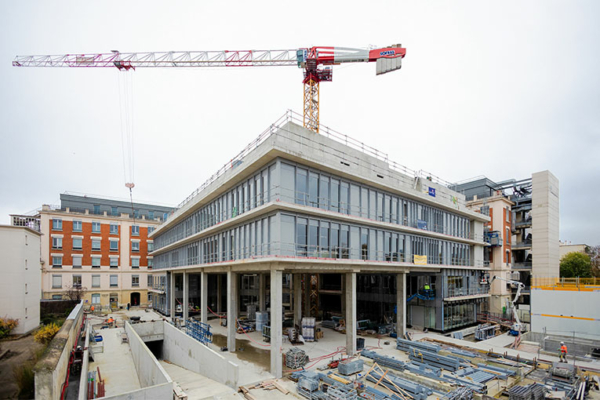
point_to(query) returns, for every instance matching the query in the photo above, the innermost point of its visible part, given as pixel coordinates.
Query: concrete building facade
(305, 205)
(20, 286)
(99, 245)
(524, 231)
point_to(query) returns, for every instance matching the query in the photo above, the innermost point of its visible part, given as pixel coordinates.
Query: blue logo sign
(387, 53)
(421, 224)
(432, 192)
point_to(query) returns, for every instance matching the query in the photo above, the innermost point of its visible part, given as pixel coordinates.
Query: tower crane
(516, 327)
(317, 63)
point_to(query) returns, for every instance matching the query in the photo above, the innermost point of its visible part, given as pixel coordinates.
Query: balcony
(454, 294)
(493, 238)
(522, 265)
(521, 245)
(523, 224)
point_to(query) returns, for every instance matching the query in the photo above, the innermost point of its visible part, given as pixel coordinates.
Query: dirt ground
(21, 350)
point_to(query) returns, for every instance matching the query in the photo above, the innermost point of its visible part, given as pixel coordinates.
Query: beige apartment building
(99, 247)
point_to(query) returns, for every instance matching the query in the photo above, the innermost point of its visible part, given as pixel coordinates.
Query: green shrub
(6, 326)
(46, 333)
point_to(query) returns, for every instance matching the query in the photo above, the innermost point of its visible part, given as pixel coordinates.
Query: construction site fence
(575, 284)
(579, 344)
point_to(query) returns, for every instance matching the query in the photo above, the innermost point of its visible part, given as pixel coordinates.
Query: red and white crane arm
(315, 61)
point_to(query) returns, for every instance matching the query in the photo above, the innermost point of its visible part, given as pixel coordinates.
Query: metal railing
(458, 292)
(292, 250)
(526, 243)
(574, 284)
(522, 265)
(291, 116)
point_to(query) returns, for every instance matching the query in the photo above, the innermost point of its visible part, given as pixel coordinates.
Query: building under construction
(354, 234)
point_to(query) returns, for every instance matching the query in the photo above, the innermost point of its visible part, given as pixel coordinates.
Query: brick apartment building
(99, 245)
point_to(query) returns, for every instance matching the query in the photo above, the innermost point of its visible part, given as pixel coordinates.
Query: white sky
(500, 89)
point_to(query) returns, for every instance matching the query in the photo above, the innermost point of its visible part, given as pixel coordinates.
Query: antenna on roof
(131, 185)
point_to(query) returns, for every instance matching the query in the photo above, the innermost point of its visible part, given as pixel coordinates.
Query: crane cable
(127, 132)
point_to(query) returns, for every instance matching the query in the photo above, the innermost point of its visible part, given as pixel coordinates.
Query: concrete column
(232, 309)
(401, 304)
(219, 294)
(204, 298)
(350, 313)
(262, 293)
(307, 295)
(276, 324)
(297, 299)
(186, 296)
(172, 296)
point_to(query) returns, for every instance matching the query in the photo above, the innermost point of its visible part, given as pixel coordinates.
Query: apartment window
(151, 229)
(114, 245)
(508, 236)
(135, 263)
(150, 263)
(114, 262)
(57, 243)
(149, 281)
(135, 280)
(114, 280)
(114, 211)
(77, 226)
(57, 262)
(56, 281)
(150, 214)
(95, 298)
(57, 224)
(114, 229)
(57, 297)
(95, 262)
(135, 246)
(507, 214)
(135, 230)
(150, 247)
(95, 227)
(77, 243)
(95, 281)
(96, 244)
(165, 216)
(76, 262)
(76, 281)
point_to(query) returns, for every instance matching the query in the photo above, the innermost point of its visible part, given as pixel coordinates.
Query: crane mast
(317, 63)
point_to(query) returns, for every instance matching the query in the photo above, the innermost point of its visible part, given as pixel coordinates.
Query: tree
(75, 292)
(574, 265)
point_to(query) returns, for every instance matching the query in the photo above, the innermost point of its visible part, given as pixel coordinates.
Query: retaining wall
(51, 370)
(187, 352)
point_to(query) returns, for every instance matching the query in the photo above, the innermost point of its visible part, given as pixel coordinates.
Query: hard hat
(562, 342)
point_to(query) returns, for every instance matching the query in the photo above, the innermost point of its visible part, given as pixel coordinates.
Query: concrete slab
(116, 364)
(195, 385)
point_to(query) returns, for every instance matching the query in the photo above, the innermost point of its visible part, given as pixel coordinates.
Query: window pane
(301, 236)
(114, 245)
(301, 186)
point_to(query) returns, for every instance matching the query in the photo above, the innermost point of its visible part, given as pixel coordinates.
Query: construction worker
(563, 352)
(427, 290)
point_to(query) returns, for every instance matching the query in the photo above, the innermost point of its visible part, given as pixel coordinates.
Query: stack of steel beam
(316, 395)
(463, 353)
(384, 361)
(475, 386)
(502, 373)
(449, 363)
(417, 391)
(475, 374)
(405, 345)
(423, 369)
(461, 393)
(374, 394)
(341, 394)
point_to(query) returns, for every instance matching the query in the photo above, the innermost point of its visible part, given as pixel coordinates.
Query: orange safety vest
(563, 349)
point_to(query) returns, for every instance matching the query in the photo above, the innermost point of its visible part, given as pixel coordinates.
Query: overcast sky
(500, 89)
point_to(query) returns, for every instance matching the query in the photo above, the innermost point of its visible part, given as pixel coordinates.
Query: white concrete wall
(563, 312)
(21, 284)
(150, 373)
(545, 225)
(187, 352)
(51, 370)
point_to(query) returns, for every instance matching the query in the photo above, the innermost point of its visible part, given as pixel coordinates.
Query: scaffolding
(199, 331)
